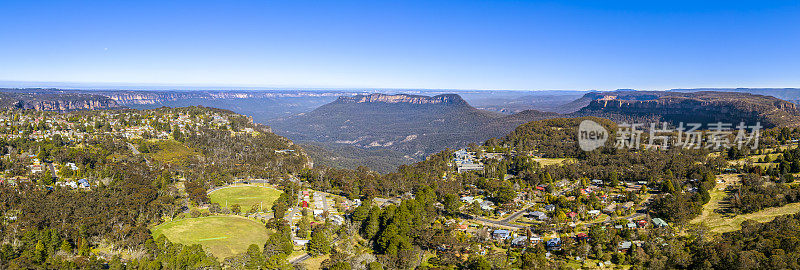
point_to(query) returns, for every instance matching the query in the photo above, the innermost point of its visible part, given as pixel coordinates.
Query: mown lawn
(223, 236)
(246, 196)
(552, 161)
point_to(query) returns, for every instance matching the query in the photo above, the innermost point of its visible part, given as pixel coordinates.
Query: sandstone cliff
(698, 107)
(60, 102)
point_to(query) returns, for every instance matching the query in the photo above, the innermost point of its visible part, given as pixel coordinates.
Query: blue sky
(404, 44)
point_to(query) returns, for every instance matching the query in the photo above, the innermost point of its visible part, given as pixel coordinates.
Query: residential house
(521, 241)
(84, 183)
(624, 246)
(538, 215)
(554, 244)
(467, 199)
(501, 234)
(641, 223)
(300, 242)
(660, 223)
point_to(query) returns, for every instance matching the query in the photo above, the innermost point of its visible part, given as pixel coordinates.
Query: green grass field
(245, 196)
(223, 236)
(552, 161)
(721, 224)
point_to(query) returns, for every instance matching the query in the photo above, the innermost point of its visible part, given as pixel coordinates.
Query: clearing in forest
(246, 196)
(223, 236)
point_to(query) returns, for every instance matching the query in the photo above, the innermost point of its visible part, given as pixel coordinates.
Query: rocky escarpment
(698, 107)
(413, 125)
(145, 98)
(198, 97)
(60, 102)
(404, 98)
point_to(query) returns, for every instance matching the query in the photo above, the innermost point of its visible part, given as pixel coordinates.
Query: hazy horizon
(100, 86)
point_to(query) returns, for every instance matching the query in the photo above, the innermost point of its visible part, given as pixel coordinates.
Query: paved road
(516, 215)
(136, 152)
(300, 259)
(295, 208)
(325, 202)
(496, 223)
(504, 223)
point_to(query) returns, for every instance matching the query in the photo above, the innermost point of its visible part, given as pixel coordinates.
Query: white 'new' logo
(591, 135)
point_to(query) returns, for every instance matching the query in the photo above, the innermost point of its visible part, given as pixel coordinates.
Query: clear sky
(643, 44)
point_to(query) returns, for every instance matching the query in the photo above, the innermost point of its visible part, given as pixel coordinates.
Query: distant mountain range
(695, 107)
(348, 128)
(55, 101)
(788, 94)
(412, 124)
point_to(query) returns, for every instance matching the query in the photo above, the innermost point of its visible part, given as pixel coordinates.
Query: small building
(641, 223)
(594, 213)
(501, 234)
(71, 166)
(549, 208)
(659, 223)
(572, 215)
(461, 154)
(521, 241)
(624, 246)
(300, 242)
(467, 199)
(337, 219)
(554, 244)
(84, 183)
(610, 208)
(627, 205)
(539, 215)
(469, 166)
(597, 182)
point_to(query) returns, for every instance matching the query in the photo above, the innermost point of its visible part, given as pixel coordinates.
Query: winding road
(503, 223)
